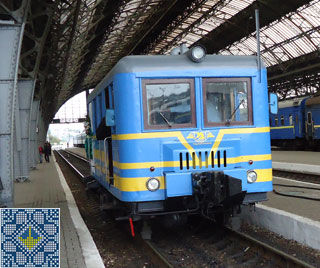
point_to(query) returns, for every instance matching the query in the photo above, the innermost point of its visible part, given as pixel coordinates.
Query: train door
(291, 124)
(109, 101)
(296, 126)
(309, 126)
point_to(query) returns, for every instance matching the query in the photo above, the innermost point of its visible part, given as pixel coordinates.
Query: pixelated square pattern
(30, 237)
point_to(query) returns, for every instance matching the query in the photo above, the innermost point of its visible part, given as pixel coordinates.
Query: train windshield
(169, 103)
(227, 101)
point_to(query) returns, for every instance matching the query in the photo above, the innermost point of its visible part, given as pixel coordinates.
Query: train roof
(145, 63)
(291, 102)
(312, 101)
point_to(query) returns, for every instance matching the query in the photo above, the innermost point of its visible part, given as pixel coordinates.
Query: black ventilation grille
(205, 160)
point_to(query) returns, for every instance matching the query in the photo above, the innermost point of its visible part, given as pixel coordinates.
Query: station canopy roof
(70, 45)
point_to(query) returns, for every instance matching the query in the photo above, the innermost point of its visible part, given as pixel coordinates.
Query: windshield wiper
(229, 120)
(165, 119)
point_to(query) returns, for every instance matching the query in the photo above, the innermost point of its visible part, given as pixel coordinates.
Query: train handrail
(105, 155)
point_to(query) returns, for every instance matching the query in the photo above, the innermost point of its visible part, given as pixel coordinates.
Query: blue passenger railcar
(297, 124)
(288, 125)
(174, 136)
(312, 122)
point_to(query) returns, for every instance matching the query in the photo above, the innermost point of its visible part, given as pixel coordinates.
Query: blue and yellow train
(181, 134)
(297, 124)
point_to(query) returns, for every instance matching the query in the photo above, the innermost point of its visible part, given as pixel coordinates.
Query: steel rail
(72, 166)
(282, 259)
(297, 176)
(156, 257)
(297, 172)
(76, 155)
(295, 186)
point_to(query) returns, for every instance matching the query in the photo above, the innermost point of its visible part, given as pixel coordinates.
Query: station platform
(303, 207)
(47, 188)
(302, 162)
(292, 217)
(299, 157)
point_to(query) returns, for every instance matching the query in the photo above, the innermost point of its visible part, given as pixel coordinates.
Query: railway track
(309, 191)
(277, 257)
(246, 251)
(298, 176)
(148, 248)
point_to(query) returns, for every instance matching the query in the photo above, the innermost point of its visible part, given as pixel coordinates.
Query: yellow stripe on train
(168, 164)
(140, 183)
(135, 184)
(264, 174)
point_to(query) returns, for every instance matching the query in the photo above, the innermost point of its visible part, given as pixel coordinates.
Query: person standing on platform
(46, 151)
(40, 153)
(49, 144)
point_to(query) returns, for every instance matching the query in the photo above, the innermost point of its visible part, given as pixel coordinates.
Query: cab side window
(168, 103)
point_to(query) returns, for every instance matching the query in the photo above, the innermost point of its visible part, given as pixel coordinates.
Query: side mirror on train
(110, 122)
(273, 103)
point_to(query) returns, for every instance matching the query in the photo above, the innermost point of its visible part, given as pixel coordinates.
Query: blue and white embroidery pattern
(30, 237)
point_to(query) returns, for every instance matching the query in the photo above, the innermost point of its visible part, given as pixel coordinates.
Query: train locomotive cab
(175, 136)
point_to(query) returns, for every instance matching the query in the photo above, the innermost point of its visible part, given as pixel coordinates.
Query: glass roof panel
(211, 14)
(293, 35)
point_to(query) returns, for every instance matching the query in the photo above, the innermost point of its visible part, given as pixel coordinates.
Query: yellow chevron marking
(183, 141)
(153, 135)
(222, 132)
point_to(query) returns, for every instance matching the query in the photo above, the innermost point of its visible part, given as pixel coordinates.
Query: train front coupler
(218, 193)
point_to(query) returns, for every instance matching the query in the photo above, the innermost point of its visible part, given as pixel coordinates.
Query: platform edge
(90, 252)
(286, 224)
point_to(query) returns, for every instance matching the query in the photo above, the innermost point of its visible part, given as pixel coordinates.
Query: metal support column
(34, 155)
(11, 34)
(42, 131)
(21, 133)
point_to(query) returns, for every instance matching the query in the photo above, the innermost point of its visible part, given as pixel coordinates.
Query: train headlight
(197, 53)
(153, 184)
(251, 176)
